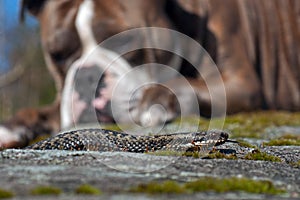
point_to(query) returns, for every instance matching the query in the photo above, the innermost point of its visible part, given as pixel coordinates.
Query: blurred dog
(255, 45)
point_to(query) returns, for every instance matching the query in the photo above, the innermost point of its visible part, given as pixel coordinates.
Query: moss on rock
(232, 184)
(209, 184)
(295, 164)
(46, 190)
(285, 140)
(87, 190)
(5, 194)
(166, 187)
(258, 155)
(219, 155)
(245, 144)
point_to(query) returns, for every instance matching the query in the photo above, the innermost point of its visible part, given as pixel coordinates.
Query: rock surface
(116, 172)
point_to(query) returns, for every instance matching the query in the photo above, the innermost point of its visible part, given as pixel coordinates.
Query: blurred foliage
(33, 86)
(250, 124)
(254, 124)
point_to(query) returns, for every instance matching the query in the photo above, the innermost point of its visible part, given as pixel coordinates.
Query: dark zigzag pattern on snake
(107, 140)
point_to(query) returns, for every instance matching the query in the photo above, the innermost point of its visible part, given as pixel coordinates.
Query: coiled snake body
(107, 140)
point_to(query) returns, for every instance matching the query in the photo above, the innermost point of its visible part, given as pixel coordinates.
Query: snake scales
(107, 140)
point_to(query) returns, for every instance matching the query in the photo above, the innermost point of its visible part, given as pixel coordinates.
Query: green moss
(246, 144)
(295, 164)
(219, 155)
(257, 155)
(166, 153)
(167, 187)
(214, 155)
(232, 184)
(46, 190)
(4, 194)
(285, 140)
(194, 154)
(209, 184)
(88, 190)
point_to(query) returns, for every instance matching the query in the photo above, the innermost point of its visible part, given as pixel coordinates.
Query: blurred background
(24, 80)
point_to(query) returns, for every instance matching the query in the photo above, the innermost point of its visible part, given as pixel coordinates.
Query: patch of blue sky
(9, 19)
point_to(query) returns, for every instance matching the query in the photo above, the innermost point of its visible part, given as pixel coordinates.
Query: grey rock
(116, 172)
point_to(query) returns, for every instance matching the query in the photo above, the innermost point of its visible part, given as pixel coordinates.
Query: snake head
(223, 137)
(210, 138)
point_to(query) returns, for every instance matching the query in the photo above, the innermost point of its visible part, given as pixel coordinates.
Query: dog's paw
(157, 106)
(11, 138)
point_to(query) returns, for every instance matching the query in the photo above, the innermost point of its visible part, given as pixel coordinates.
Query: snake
(107, 140)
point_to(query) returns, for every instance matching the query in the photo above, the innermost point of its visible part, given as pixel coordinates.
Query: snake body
(107, 140)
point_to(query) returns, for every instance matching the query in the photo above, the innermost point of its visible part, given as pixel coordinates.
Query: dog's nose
(82, 87)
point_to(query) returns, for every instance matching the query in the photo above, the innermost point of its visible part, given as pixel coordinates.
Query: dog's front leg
(212, 97)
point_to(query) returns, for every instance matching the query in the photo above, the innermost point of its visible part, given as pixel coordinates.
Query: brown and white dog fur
(255, 45)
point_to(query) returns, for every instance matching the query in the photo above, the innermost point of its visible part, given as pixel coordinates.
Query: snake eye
(224, 135)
